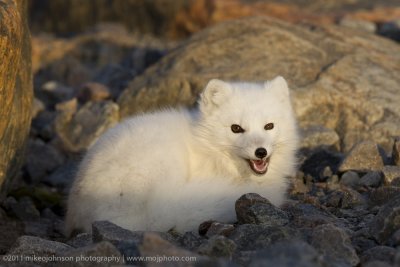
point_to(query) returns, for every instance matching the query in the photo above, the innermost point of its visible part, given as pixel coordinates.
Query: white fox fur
(176, 168)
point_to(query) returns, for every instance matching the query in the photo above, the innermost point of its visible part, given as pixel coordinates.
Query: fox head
(252, 123)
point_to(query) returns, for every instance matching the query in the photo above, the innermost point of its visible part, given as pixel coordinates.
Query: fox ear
(215, 93)
(278, 85)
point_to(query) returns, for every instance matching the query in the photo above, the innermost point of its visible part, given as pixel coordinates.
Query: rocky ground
(343, 207)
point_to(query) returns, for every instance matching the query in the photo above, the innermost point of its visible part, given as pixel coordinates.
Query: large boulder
(341, 79)
(15, 87)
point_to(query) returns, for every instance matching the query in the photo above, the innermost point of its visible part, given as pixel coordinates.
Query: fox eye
(237, 128)
(269, 126)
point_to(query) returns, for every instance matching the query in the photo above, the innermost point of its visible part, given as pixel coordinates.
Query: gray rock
(107, 231)
(363, 157)
(387, 221)
(29, 245)
(100, 254)
(350, 179)
(78, 131)
(371, 179)
(288, 254)
(390, 173)
(252, 237)
(317, 136)
(334, 243)
(217, 246)
(80, 240)
(383, 195)
(334, 83)
(41, 159)
(396, 152)
(252, 208)
(378, 253)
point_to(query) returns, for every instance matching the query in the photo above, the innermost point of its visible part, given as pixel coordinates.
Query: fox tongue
(259, 166)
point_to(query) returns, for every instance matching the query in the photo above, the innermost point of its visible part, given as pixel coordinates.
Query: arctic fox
(177, 169)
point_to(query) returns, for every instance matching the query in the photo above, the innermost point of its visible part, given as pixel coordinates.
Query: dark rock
(24, 209)
(363, 157)
(288, 254)
(203, 227)
(42, 228)
(383, 194)
(80, 240)
(78, 131)
(43, 126)
(344, 198)
(318, 136)
(191, 240)
(16, 89)
(129, 249)
(102, 253)
(252, 208)
(391, 30)
(29, 245)
(308, 216)
(350, 179)
(10, 230)
(386, 222)
(377, 264)
(319, 160)
(62, 177)
(334, 243)
(371, 179)
(252, 237)
(390, 173)
(217, 246)
(395, 182)
(42, 159)
(116, 77)
(93, 91)
(396, 152)
(53, 92)
(378, 253)
(217, 228)
(396, 238)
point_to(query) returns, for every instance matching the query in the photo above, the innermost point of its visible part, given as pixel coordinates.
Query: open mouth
(259, 166)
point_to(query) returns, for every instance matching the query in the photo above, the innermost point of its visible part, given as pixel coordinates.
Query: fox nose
(260, 152)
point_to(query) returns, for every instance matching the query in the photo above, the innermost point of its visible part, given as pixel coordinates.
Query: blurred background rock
(95, 62)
